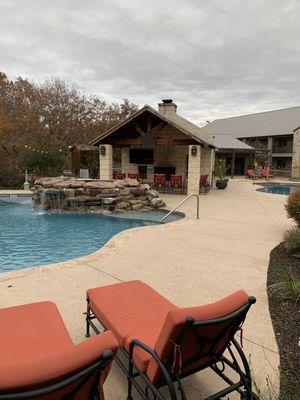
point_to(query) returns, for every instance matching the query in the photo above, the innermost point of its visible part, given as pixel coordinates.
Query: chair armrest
(137, 343)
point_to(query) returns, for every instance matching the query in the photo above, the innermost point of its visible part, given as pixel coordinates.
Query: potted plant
(220, 172)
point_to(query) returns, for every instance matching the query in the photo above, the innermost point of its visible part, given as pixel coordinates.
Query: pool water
(31, 237)
(278, 189)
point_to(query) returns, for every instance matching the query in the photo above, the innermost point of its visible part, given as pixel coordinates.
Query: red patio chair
(160, 182)
(176, 183)
(265, 173)
(38, 359)
(252, 175)
(204, 185)
(120, 176)
(133, 176)
(164, 343)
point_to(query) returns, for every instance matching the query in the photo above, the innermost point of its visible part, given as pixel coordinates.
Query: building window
(281, 164)
(282, 142)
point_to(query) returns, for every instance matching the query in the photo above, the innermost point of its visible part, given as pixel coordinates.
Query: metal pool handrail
(182, 202)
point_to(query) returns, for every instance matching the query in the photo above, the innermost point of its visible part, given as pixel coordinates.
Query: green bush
(41, 159)
(288, 286)
(221, 170)
(293, 206)
(292, 241)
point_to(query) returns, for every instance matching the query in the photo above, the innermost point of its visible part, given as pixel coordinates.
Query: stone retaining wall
(71, 194)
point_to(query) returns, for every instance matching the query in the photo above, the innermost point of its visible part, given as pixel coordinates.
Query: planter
(221, 184)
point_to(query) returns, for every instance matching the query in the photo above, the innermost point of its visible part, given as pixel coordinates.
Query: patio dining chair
(164, 343)
(204, 185)
(133, 176)
(176, 183)
(160, 182)
(120, 176)
(38, 359)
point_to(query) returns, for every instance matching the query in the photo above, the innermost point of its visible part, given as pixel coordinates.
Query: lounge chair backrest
(194, 337)
(77, 372)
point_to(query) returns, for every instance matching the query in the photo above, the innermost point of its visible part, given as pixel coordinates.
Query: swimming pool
(277, 188)
(31, 237)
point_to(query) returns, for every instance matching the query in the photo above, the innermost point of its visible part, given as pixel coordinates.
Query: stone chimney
(167, 107)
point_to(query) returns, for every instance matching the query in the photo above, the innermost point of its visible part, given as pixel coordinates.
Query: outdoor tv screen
(141, 156)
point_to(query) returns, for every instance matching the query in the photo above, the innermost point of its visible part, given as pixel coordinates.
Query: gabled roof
(231, 143)
(82, 147)
(269, 123)
(182, 124)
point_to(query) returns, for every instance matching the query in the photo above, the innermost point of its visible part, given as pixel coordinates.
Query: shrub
(288, 286)
(292, 241)
(221, 169)
(293, 206)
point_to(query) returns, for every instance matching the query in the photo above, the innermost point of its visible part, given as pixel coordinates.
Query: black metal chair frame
(204, 188)
(81, 377)
(241, 366)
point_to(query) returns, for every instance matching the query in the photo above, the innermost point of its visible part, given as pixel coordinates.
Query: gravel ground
(285, 314)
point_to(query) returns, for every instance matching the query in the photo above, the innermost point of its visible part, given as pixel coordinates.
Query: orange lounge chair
(265, 173)
(165, 343)
(38, 359)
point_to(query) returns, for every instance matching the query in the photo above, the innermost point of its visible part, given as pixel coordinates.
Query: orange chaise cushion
(131, 310)
(36, 349)
(31, 330)
(175, 321)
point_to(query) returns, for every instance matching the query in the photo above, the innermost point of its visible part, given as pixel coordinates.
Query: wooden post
(232, 163)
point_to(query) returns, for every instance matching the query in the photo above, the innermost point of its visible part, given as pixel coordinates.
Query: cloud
(214, 58)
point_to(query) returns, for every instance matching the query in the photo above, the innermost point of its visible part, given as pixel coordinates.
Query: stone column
(125, 159)
(207, 162)
(270, 151)
(194, 169)
(106, 161)
(296, 155)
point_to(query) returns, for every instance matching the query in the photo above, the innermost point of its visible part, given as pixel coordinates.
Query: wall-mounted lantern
(194, 150)
(102, 150)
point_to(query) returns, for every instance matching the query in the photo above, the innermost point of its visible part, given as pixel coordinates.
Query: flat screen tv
(141, 156)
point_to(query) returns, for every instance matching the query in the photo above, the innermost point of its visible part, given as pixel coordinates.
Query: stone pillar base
(194, 172)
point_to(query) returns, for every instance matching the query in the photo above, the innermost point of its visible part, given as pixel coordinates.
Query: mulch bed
(285, 314)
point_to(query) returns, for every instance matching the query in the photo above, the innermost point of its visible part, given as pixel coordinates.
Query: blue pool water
(277, 188)
(30, 237)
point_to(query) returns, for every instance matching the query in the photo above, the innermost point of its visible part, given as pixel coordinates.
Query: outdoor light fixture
(194, 150)
(102, 150)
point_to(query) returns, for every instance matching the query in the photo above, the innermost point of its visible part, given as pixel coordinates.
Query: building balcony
(283, 149)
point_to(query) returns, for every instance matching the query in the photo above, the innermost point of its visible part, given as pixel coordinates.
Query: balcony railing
(283, 149)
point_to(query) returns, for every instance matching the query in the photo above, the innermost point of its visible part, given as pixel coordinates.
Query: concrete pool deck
(190, 262)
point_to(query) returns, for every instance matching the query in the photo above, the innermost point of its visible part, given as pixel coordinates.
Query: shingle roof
(178, 122)
(83, 147)
(189, 127)
(230, 142)
(269, 123)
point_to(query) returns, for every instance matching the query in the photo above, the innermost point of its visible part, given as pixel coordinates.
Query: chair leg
(129, 378)
(87, 319)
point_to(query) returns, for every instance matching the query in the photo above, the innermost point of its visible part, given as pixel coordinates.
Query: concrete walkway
(191, 262)
(9, 192)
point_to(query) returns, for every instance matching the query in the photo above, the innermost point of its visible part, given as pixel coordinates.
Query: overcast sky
(214, 58)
